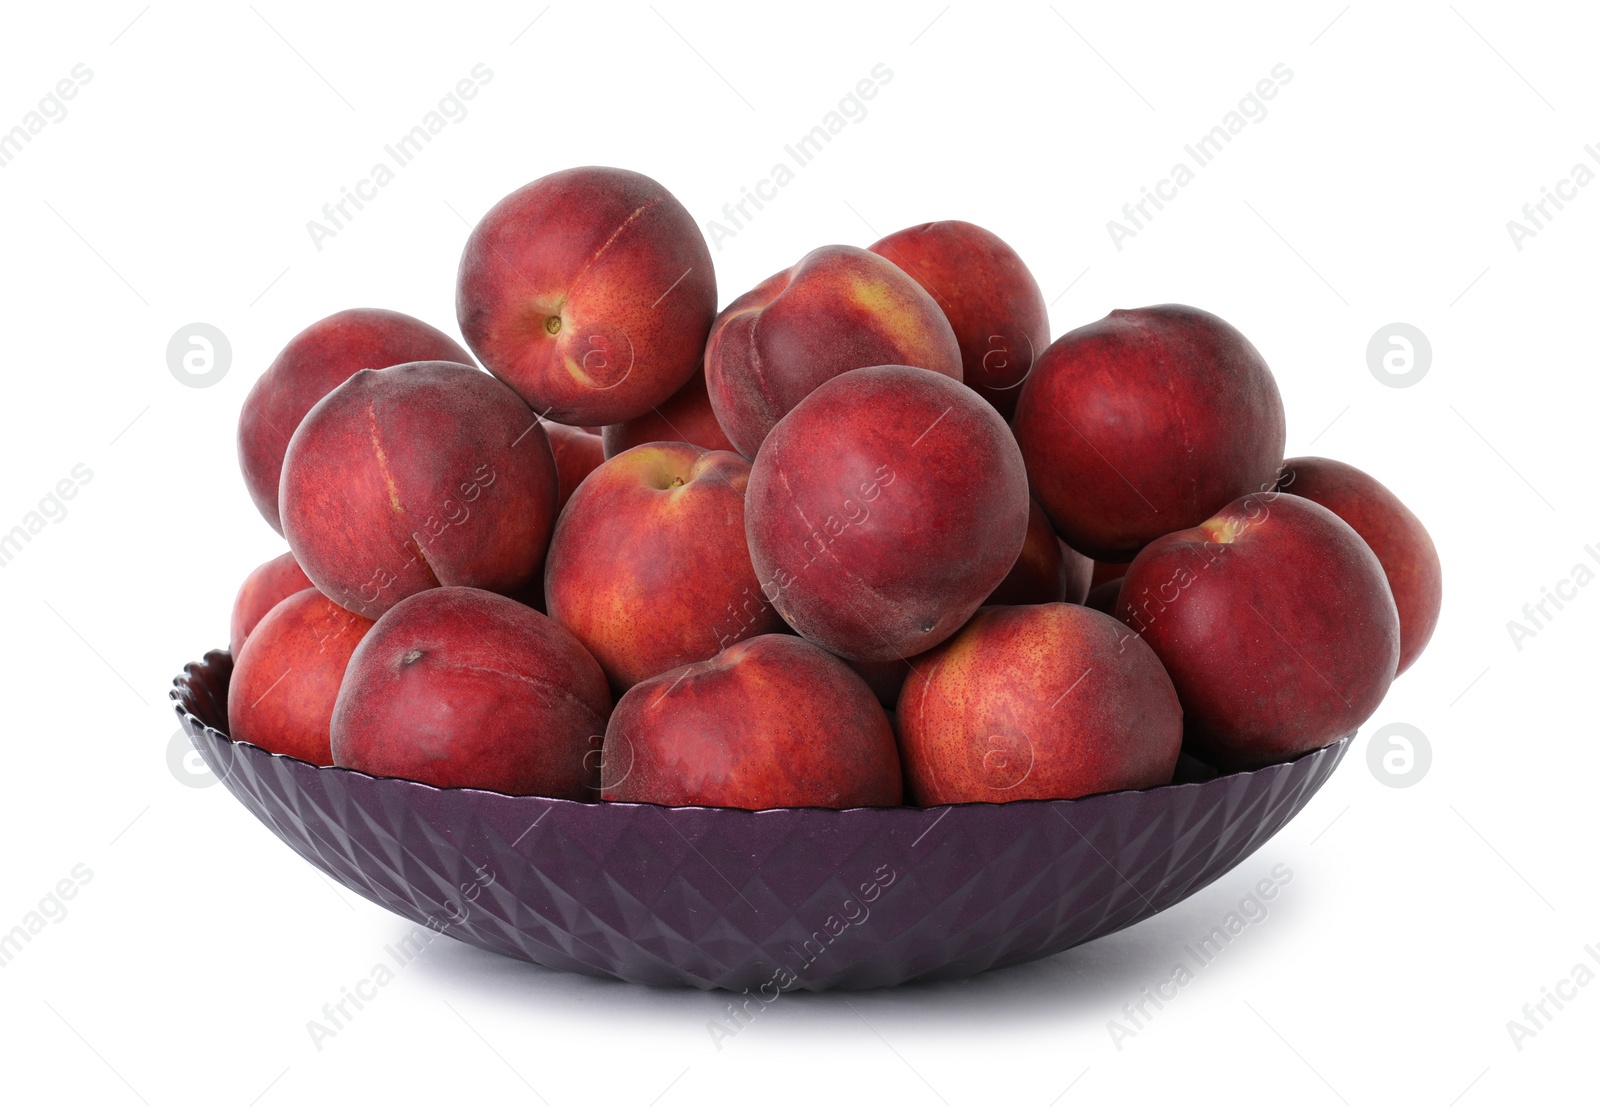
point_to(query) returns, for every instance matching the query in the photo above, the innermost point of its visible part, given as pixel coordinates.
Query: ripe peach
(287, 675)
(416, 476)
(885, 678)
(1274, 621)
(460, 687)
(577, 453)
(685, 417)
(988, 295)
(1146, 422)
(1104, 597)
(648, 566)
(1080, 572)
(263, 589)
(773, 722)
(1400, 541)
(883, 510)
(837, 309)
(1046, 571)
(590, 292)
(1104, 573)
(1037, 703)
(313, 363)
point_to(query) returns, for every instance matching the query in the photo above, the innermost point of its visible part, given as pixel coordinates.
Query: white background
(1376, 190)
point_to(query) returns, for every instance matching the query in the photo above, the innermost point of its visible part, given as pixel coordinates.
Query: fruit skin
(270, 584)
(837, 309)
(989, 296)
(1145, 422)
(884, 509)
(773, 722)
(460, 687)
(1104, 573)
(648, 566)
(616, 267)
(1274, 621)
(319, 358)
(885, 678)
(577, 452)
(1037, 703)
(686, 417)
(1103, 597)
(1393, 532)
(287, 676)
(415, 476)
(1080, 572)
(1046, 571)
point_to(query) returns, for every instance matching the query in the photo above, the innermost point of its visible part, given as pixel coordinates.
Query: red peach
(263, 589)
(648, 566)
(1146, 422)
(1400, 541)
(313, 363)
(1046, 571)
(590, 292)
(883, 510)
(1274, 621)
(577, 453)
(1080, 573)
(287, 676)
(461, 688)
(1104, 573)
(685, 417)
(773, 722)
(1104, 597)
(885, 678)
(419, 475)
(1037, 703)
(837, 309)
(988, 295)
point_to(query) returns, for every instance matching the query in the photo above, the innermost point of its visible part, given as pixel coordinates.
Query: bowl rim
(182, 682)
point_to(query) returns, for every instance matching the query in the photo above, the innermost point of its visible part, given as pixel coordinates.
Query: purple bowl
(790, 898)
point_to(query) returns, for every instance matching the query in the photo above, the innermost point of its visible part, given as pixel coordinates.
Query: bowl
(768, 901)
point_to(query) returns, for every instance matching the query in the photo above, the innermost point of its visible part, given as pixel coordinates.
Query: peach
(1275, 622)
(287, 676)
(988, 295)
(589, 292)
(648, 566)
(1080, 573)
(318, 359)
(577, 453)
(885, 678)
(417, 476)
(837, 309)
(1103, 598)
(1037, 703)
(773, 722)
(1146, 422)
(263, 589)
(883, 509)
(1046, 571)
(462, 688)
(685, 417)
(1401, 543)
(1104, 573)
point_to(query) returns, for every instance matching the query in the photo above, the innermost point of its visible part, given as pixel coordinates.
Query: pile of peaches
(864, 537)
